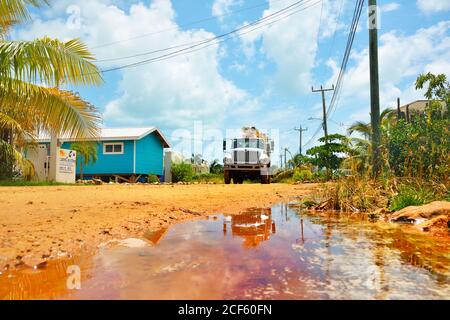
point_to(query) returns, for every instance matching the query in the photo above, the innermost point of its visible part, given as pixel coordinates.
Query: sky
(261, 76)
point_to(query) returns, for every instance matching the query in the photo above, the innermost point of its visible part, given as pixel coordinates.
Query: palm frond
(360, 127)
(48, 61)
(8, 151)
(16, 10)
(11, 124)
(54, 110)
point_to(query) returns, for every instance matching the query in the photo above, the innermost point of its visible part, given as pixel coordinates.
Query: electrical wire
(227, 36)
(336, 94)
(184, 25)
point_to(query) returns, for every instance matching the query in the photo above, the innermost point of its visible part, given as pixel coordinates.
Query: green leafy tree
(86, 154)
(330, 155)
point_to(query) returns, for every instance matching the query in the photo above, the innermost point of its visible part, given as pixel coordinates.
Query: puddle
(278, 253)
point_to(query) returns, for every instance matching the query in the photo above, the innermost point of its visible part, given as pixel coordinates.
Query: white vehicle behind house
(248, 156)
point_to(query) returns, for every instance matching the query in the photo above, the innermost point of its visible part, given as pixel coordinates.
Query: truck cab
(247, 157)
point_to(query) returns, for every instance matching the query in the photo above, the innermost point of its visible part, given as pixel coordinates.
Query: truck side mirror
(224, 145)
(272, 146)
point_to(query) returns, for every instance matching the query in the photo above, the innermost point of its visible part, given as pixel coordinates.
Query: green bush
(303, 176)
(411, 196)
(320, 176)
(208, 177)
(152, 178)
(182, 172)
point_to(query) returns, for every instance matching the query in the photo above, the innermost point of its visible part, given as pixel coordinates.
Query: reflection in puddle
(264, 254)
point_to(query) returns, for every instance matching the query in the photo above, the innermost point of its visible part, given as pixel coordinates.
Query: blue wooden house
(124, 154)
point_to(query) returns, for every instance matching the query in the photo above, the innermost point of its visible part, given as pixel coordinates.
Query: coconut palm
(32, 74)
(86, 153)
(365, 129)
(361, 149)
(298, 160)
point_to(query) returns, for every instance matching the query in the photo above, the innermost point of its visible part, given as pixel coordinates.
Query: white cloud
(402, 58)
(429, 6)
(171, 93)
(292, 43)
(392, 6)
(223, 7)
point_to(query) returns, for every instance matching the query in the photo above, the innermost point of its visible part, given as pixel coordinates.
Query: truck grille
(246, 157)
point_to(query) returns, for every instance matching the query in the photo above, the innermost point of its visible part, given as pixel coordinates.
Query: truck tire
(265, 179)
(227, 177)
(238, 179)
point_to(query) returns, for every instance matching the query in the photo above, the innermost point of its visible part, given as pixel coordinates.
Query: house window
(113, 148)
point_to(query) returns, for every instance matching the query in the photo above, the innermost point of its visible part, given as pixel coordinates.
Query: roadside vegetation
(415, 148)
(24, 183)
(184, 172)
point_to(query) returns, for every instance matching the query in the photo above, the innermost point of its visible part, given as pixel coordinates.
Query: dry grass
(354, 194)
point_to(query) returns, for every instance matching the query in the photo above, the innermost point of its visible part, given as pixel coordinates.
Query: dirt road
(41, 223)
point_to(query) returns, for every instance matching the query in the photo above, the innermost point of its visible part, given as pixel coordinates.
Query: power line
(191, 48)
(356, 16)
(317, 41)
(223, 37)
(301, 130)
(226, 36)
(184, 25)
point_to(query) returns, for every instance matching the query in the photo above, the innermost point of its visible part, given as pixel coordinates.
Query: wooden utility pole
(285, 157)
(281, 159)
(325, 125)
(301, 130)
(374, 87)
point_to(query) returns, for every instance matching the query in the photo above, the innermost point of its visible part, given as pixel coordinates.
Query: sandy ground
(41, 223)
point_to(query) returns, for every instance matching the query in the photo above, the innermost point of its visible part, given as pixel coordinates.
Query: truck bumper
(248, 168)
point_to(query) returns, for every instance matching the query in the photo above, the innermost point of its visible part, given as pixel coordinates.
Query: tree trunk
(81, 171)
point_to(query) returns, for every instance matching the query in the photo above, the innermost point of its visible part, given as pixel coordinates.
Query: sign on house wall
(66, 163)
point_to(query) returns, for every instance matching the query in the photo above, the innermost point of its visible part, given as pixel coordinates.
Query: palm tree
(31, 75)
(298, 160)
(365, 129)
(86, 153)
(216, 167)
(361, 149)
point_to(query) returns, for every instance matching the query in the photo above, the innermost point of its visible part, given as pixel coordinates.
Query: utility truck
(248, 156)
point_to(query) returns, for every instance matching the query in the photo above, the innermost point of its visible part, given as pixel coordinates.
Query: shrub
(410, 195)
(303, 176)
(152, 178)
(182, 172)
(354, 194)
(208, 177)
(320, 176)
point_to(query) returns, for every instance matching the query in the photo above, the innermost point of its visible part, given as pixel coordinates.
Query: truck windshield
(249, 143)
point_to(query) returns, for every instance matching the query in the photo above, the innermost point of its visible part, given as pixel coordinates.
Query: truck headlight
(228, 159)
(264, 159)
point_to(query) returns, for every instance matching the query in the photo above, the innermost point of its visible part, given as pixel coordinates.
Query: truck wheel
(265, 179)
(227, 177)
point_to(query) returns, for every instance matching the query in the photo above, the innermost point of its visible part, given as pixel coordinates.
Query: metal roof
(112, 134)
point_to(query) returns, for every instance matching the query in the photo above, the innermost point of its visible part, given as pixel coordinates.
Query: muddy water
(280, 253)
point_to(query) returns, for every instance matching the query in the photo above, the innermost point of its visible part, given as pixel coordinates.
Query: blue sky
(260, 78)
